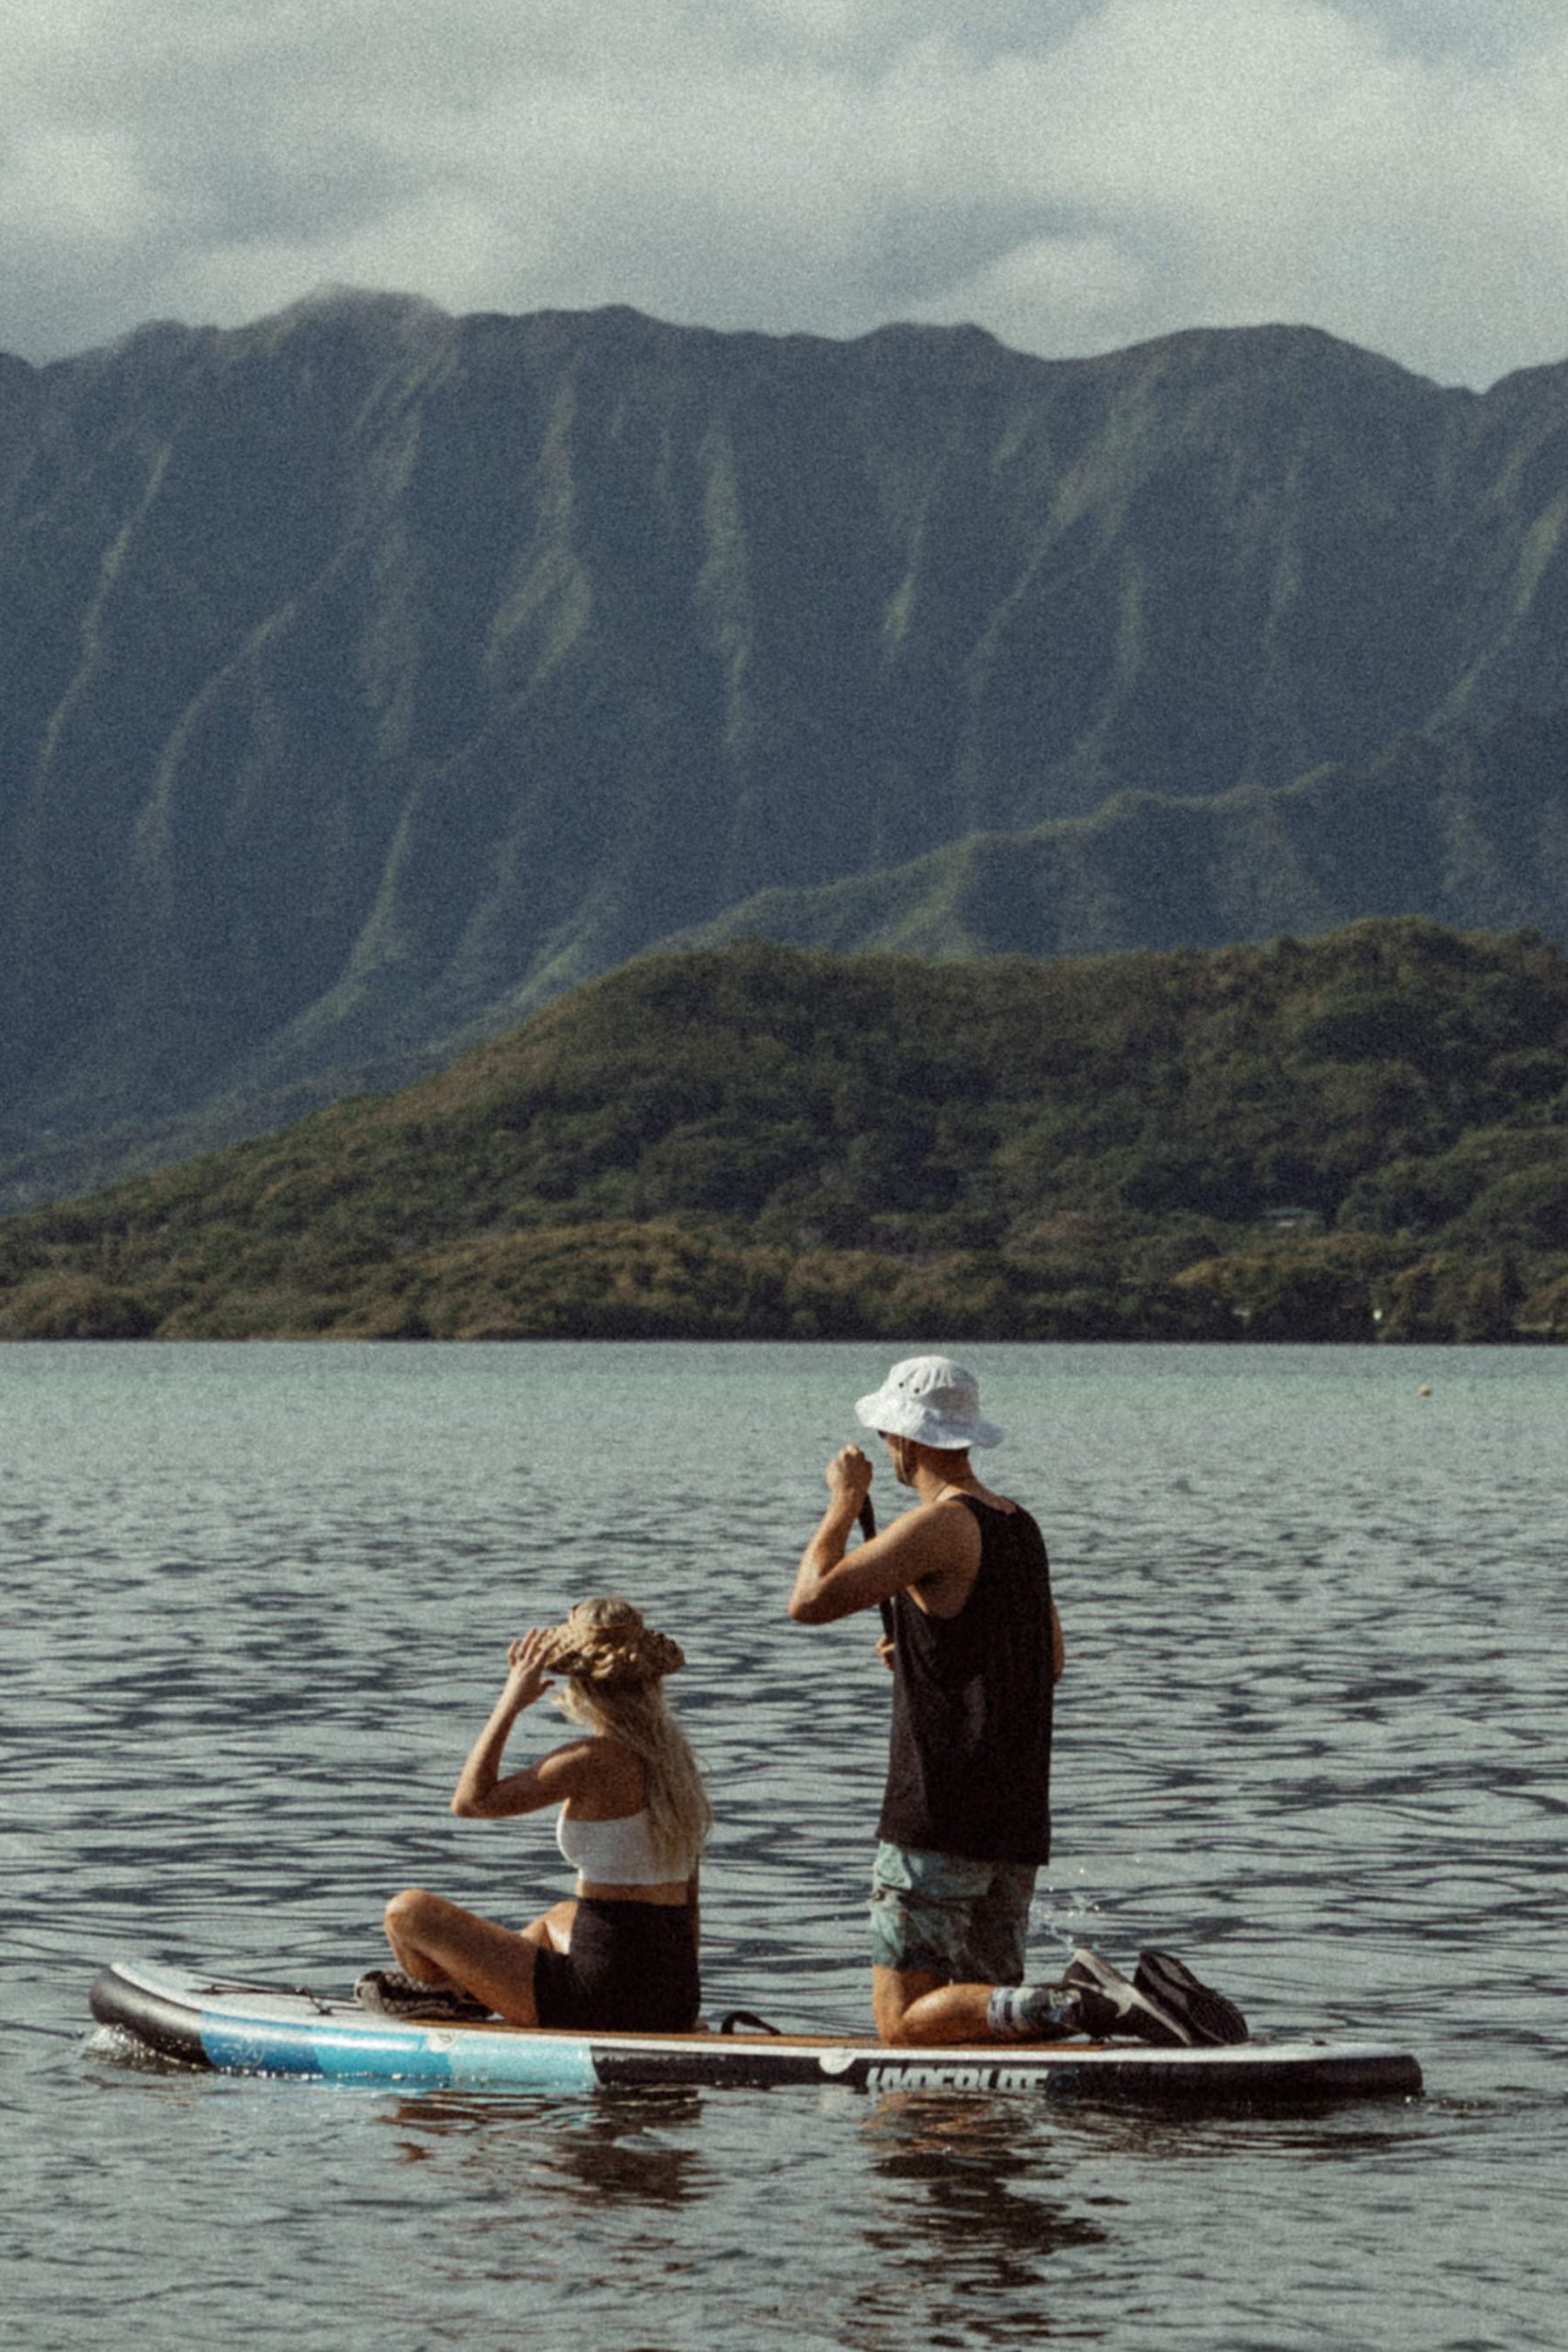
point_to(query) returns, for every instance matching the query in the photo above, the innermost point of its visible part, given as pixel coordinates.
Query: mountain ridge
(1499, 817)
(374, 675)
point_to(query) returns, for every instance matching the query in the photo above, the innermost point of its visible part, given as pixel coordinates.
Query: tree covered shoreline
(1359, 1138)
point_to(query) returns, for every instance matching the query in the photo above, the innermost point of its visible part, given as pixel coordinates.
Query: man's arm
(924, 1548)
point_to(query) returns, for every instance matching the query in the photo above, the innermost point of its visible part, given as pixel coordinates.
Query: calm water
(257, 1601)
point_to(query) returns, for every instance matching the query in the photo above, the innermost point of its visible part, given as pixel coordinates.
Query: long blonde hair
(615, 1664)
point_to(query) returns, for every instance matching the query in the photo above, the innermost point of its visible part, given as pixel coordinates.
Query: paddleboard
(211, 2021)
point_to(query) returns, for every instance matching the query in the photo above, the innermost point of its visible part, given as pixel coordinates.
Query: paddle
(867, 1518)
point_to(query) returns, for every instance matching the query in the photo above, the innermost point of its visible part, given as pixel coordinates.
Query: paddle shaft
(867, 1518)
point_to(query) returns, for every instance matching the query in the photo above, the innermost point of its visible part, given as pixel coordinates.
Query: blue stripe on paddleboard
(400, 2053)
(481, 2059)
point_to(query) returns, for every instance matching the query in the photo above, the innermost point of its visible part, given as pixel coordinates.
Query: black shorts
(632, 1967)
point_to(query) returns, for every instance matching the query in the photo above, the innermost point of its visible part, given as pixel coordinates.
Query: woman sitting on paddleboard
(634, 1816)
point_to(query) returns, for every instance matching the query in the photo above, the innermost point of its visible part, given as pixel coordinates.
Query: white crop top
(614, 1853)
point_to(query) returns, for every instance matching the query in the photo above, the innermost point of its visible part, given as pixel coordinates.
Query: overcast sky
(1074, 175)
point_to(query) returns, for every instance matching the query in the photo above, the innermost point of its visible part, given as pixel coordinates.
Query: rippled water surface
(256, 1602)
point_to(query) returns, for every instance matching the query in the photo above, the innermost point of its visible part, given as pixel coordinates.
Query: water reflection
(615, 2149)
(977, 2196)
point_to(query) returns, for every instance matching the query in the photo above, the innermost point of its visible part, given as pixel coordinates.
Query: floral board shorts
(966, 1922)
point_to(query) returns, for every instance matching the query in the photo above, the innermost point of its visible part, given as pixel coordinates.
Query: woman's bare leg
(440, 1944)
(551, 1931)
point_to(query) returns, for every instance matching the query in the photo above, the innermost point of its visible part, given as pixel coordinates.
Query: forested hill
(370, 675)
(1356, 1138)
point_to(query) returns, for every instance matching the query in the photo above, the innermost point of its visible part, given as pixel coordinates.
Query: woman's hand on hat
(849, 1476)
(527, 1661)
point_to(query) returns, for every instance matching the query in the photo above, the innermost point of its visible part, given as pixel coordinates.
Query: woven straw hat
(607, 1644)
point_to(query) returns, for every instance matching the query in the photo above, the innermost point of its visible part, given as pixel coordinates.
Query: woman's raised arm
(481, 1791)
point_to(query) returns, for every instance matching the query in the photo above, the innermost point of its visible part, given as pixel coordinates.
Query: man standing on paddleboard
(975, 1647)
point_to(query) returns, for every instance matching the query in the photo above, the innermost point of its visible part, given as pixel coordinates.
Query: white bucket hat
(932, 1400)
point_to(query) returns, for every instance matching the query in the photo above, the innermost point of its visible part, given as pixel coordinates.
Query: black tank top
(969, 1765)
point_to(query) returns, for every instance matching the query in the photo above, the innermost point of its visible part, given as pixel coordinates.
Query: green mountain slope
(371, 676)
(1360, 1135)
(1468, 824)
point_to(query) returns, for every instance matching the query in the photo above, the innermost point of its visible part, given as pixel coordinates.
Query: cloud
(1071, 174)
(1252, 160)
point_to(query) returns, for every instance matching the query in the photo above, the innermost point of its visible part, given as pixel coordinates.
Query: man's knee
(894, 1992)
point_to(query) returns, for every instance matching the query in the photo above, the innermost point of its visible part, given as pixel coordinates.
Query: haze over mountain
(372, 675)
